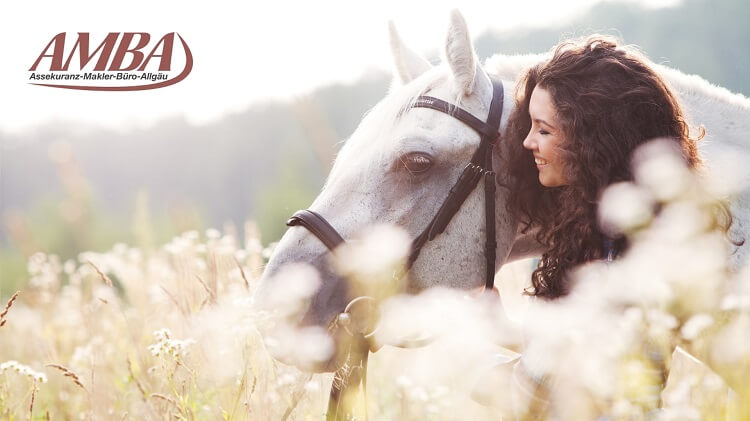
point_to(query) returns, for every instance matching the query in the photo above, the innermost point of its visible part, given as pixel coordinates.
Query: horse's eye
(416, 162)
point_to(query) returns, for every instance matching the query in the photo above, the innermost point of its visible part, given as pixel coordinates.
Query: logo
(122, 61)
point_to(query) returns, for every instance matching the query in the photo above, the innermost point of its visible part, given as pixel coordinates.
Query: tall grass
(175, 334)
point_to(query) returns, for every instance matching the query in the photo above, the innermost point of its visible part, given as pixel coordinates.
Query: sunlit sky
(244, 52)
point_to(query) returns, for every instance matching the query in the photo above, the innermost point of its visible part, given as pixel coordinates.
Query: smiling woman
(545, 140)
(579, 118)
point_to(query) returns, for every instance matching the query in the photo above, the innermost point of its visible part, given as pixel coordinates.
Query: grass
(173, 333)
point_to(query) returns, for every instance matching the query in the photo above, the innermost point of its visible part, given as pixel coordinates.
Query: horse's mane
(511, 67)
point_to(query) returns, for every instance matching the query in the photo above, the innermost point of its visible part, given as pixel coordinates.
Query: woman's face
(545, 139)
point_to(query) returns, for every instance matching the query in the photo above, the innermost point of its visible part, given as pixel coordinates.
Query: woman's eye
(543, 132)
(416, 163)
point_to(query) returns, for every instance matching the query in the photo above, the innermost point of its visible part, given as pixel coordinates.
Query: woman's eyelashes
(539, 128)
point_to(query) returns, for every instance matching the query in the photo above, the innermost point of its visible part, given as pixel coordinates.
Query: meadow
(173, 332)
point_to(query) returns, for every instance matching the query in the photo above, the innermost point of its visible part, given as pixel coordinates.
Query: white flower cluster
(166, 346)
(183, 243)
(44, 270)
(23, 370)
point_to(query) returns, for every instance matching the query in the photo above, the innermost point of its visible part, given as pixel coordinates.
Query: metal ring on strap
(347, 321)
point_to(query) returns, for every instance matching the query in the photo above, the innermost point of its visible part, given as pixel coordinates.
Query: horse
(400, 162)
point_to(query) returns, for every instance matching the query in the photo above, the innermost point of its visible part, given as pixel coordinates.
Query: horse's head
(398, 167)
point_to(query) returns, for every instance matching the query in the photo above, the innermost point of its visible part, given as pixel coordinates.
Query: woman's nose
(529, 142)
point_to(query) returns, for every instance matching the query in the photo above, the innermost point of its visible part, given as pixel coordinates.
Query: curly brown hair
(609, 101)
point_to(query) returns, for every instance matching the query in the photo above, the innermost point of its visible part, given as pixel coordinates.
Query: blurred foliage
(59, 225)
(284, 195)
(148, 184)
(703, 37)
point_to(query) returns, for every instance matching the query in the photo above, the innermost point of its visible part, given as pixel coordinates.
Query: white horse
(369, 183)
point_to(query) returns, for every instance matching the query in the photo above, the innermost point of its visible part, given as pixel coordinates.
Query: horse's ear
(409, 65)
(459, 53)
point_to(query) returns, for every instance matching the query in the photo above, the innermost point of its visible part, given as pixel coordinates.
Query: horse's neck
(726, 147)
(724, 115)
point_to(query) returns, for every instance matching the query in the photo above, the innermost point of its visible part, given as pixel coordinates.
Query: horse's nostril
(328, 301)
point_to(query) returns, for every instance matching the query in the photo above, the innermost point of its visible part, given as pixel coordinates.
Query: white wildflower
(69, 266)
(23, 370)
(312, 386)
(624, 207)
(403, 382)
(659, 166)
(696, 325)
(285, 380)
(253, 245)
(288, 293)
(35, 263)
(191, 235)
(120, 249)
(374, 257)
(162, 334)
(240, 255)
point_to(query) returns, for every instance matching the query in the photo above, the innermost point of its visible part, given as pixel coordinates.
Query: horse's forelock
(373, 139)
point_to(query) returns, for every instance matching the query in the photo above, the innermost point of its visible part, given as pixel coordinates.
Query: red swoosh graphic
(180, 77)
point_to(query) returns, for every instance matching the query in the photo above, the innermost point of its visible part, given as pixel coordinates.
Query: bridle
(480, 166)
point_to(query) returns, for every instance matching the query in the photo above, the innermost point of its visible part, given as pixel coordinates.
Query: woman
(579, 117)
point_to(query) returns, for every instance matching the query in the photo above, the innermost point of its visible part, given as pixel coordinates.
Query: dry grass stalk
(31, 405)
(164, 398)
(296, 397)
(242, 272)
(243, 382)
(135, 379)
(102, 275)
(7, 308)
(68, 373)
(174, 300)
(210, 292)
(179, 364)
(205, 301)
(213, 270)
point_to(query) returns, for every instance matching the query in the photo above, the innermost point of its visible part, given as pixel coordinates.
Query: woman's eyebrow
(539, 120)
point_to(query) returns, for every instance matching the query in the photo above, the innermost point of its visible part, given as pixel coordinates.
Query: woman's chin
(550, 181)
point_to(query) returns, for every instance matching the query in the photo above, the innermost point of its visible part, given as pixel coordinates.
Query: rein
(354, 370)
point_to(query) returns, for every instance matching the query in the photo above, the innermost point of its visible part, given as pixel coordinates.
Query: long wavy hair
(609, 101)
